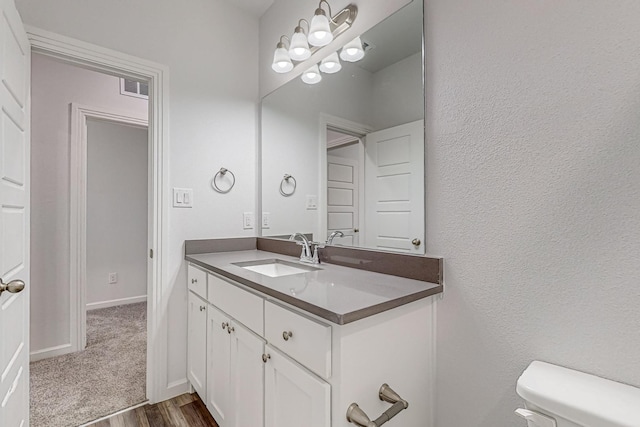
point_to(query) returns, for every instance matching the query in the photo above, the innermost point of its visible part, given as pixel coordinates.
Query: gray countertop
(335, 293)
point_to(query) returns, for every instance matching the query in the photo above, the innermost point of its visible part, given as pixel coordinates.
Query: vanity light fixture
(312, 75)
(299, 48)
(322, 30)
(352, 51)
(281, 60)
(331, 64)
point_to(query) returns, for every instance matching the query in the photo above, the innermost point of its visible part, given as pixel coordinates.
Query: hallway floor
(108, 376)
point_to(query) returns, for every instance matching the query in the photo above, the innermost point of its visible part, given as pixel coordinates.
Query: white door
(247, 378)
(14, 218)
(219, 366)
(197, 345)
(293, 396)
(342, 200)
(394, 193)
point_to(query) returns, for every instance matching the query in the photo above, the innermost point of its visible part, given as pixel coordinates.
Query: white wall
(116, 213)
(213, 110)
(54, 87)
(533, 124)
(396, 92)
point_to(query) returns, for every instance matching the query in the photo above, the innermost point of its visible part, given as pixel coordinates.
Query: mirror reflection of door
(344, 158)
(394, 196)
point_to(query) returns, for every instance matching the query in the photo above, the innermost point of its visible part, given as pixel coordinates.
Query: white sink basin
(275, 267)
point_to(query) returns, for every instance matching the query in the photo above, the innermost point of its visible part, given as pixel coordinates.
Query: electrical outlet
(247, 220)
(113, 278)
(266, 219)
(312, 203)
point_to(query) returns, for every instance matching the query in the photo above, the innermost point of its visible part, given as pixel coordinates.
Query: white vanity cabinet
(197, 330)
(293, 396)
(270, 364)
(235, 389)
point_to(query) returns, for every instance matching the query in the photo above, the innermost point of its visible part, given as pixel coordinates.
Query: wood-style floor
(186, 410)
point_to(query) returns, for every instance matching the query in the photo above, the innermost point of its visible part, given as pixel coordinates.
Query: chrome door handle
(230, 329)
(286, 335)
(13, 286)
(266, 357)
(416, 242)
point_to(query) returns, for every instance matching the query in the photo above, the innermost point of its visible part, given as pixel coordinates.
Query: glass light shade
(312, 76)
(331, 64)
(281, 61)
(352, 51)
(319, 31)
(299, 49)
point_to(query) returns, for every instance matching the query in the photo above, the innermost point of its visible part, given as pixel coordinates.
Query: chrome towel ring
(219, 175)
(286, 179)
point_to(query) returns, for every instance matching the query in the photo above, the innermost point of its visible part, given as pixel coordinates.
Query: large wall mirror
(346, 155)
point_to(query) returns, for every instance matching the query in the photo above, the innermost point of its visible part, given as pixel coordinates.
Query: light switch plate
(182, 197)
(247, 220)
(312, 203)
(266, 219)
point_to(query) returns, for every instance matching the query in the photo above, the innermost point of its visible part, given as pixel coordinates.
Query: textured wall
(533, 138)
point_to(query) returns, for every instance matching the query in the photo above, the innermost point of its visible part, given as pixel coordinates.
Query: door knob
(356, 230)
(416, 242)
(13, 286)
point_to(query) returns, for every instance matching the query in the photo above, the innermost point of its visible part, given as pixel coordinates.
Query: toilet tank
(573, 398)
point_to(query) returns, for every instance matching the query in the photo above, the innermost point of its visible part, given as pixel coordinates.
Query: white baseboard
(114, 302)
(46, 353)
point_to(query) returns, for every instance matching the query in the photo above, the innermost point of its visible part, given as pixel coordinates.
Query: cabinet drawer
(302, 338)
(242, 305)
(197, 280)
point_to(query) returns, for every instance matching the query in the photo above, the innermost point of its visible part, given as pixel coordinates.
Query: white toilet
(561, 397)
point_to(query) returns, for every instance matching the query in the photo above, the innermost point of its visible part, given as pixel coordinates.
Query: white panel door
(197, 345)
(294, 397)
(14, 218)
(342, 200)
(219, 366)
(394, 193)
(247, 378)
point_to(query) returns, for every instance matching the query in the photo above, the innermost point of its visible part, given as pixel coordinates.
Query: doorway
(90, 195)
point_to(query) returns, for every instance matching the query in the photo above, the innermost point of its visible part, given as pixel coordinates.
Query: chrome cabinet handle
(286, 335)
(13, 286)
(203, 308)
(416, 242)
(230, 329)
(224, 325)
(266, 357)
(194, 281)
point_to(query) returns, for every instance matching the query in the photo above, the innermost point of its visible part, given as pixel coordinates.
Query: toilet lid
(581, 398)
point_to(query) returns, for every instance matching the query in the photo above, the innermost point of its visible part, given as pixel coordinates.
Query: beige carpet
(109, 375)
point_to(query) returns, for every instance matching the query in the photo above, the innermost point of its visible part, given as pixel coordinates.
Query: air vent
(134, 88)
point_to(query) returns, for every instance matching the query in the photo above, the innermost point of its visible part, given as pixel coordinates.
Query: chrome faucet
(309, 249)
(332, 235)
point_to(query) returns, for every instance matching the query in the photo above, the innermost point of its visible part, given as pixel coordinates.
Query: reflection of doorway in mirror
(345, 155)
(394, 195)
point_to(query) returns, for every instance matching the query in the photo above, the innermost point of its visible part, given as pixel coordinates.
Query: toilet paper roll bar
(358, 417)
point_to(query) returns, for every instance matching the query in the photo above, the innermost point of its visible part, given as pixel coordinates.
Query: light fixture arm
(281, 43)
(300, 25)
(328, 7)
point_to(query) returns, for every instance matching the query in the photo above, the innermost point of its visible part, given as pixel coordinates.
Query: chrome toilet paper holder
(358, 417)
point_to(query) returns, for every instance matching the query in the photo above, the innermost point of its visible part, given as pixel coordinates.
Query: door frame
(111, 62)
(327, 121)
(78, 209)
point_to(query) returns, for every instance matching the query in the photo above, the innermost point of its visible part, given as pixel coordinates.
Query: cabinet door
(197, 344)
(219, 366)
(247, 377)
(293, 395)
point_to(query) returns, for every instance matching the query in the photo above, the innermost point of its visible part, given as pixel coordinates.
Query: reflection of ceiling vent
(134, 88)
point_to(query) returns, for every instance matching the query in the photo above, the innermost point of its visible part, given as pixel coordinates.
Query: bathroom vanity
(302, 346)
